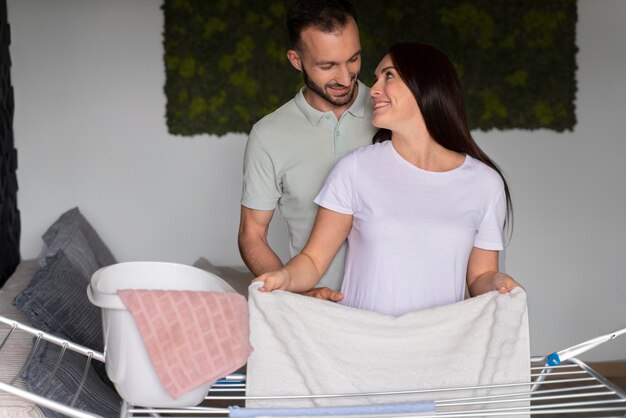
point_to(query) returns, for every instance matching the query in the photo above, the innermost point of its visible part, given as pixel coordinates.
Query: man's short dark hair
(326, 15)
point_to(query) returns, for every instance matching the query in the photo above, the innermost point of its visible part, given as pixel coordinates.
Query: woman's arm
(304, 270)
(483, 275)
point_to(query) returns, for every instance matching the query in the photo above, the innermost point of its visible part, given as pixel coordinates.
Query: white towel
(304, 346)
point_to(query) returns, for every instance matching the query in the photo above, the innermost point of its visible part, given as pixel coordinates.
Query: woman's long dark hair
(433, 80)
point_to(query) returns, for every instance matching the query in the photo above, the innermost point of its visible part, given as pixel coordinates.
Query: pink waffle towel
(192, 338)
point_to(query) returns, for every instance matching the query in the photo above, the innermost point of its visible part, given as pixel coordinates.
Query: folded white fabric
(305, 346)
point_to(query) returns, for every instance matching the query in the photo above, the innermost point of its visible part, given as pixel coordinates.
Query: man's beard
(335, 101)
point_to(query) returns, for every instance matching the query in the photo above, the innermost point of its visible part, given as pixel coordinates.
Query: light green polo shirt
(288, 156)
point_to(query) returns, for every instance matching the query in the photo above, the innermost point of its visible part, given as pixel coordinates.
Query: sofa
(49, 293)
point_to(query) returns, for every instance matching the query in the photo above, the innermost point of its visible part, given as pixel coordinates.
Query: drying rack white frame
(581, 390)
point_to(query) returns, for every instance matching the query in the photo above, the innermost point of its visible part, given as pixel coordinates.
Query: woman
(423, 208)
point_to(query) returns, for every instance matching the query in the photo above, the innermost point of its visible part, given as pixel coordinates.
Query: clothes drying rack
(561, 385)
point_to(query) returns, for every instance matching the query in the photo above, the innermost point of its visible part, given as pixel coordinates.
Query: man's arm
(253, 246)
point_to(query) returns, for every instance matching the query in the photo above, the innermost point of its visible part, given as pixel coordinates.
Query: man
(290, 151)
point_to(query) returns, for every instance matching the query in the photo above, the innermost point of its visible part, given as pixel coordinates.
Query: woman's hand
(274, 280)
(279, 280)
(504, 283)
(483, 275)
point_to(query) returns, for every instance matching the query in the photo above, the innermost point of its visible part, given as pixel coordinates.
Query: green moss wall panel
(226, 60)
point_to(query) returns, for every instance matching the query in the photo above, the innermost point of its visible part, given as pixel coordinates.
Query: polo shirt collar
(314, 116)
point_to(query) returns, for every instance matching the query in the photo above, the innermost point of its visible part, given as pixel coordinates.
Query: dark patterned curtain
(9, 214)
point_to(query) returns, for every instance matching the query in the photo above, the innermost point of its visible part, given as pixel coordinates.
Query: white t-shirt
(412, 230)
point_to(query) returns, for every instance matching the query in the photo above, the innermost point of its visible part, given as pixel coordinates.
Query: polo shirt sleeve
(261, 188)
(489, 236)
(338, 192)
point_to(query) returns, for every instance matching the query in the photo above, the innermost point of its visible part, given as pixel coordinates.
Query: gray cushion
(56, 301)
(17, 348)
(96, 396)
(82, 245)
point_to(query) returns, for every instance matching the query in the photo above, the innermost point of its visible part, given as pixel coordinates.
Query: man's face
(330, 64)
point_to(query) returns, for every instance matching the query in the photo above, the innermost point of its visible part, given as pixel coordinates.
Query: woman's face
(393, 103)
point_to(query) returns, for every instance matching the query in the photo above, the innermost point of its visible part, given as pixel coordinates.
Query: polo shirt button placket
(339, 146)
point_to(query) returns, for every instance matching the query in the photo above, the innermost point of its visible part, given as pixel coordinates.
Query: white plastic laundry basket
(127, 361)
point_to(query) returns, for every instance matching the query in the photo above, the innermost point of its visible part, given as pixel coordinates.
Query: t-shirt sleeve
(261, 188)
(337, 194)
(489, 236)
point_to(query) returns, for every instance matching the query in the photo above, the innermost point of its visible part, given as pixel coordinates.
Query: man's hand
(324, 293)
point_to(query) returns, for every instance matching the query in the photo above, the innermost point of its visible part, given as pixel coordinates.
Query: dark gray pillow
(82, 245)
(56, 301)
(96, 397)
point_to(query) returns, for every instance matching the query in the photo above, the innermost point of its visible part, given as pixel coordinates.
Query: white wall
(90, 131)
(569, 241)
